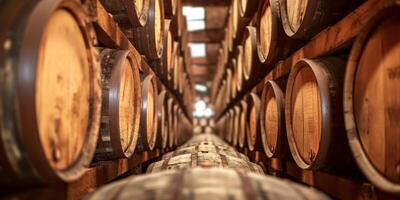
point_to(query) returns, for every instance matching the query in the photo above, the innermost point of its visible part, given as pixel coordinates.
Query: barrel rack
(334, 39)
(109, 35)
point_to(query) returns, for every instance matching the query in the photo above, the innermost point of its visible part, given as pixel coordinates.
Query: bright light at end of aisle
(200, 88)
(201, 109)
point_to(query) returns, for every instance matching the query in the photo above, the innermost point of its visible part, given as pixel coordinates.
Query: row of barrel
(261, 32)
(335, 113)
(157, 29)
(205, 167)
(68, 101)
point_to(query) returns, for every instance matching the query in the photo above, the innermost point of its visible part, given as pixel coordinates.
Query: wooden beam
(215, 35)
(206, 2)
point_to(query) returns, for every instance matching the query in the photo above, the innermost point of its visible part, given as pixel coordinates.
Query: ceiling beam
(215, 35)
(206, 2)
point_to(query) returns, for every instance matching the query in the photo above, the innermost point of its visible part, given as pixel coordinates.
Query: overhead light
(200, 88)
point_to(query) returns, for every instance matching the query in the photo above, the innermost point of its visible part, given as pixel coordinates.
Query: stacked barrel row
(157, 29)
(205, 167)
(344, 103)
(68, 100)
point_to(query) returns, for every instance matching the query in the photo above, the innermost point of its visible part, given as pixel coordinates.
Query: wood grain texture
(204, 184)
(370, 99)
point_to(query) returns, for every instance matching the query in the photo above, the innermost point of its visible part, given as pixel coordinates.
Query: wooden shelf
(335, 186)
(95, 176)
(333, 39)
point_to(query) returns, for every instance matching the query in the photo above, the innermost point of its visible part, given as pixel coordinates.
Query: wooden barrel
(174, 62)
(162, 120)
(178, 21)
(253, 118)
(238, 22)
(272, 121)
(230, 82)
(251, 65)
(170, 8)
(162, 65)
(272, 43)
(238, 65)
(50, 92)
(128, 13)
(247, 8)
(233, 79)
(148, 117)
(314, 115)
(171, 125)
(206, 148)
(149, 39)
(303, 19)
(371, 99)
(209, 183)
(236, 125)
(203, 160)
(177, 124)
(121, 104)
(243, 124)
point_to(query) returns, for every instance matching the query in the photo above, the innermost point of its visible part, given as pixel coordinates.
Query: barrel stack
(309, 92)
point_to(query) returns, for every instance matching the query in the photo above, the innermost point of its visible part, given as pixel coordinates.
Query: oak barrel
(252, 66)
(314, 115)
(371, 99)
(162, 119)
(304, 18)
(247, 8)
(253, 122)
(243, 125)
(236, 125)
(272, 43)
(203, 160)
(149, 39)
(170, 8)
(272, 121)
(121, 104)
(148, 117)
(206, 148)
(50, 92)
(171, 123)
(128, 13)
(238, 65)
(210, 183)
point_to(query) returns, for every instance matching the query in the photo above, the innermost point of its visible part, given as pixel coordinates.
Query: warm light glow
(201, 109)
(200, 88)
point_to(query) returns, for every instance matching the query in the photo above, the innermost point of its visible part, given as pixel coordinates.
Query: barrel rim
(367, 167)
(120, 58)
(148, 143)
(243, 132)
(253, 101)
(325, 131)
(251, 32)
(308, 19)
(137, 18)
(34, 28)
(270, 84)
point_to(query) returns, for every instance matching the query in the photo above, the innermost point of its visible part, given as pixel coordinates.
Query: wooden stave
(281, 150)
(322, 14)
(238, 22)
(125, 12)
(177, 21)
(163, 65)
(329, 75)
(238, 65)
(253, 101)
(183, 180)
(364, 163)
(145, 143)
(112, 149)
(162, 120)
(205, 148)
(145, 39)
(204, 160)
(26, 163)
